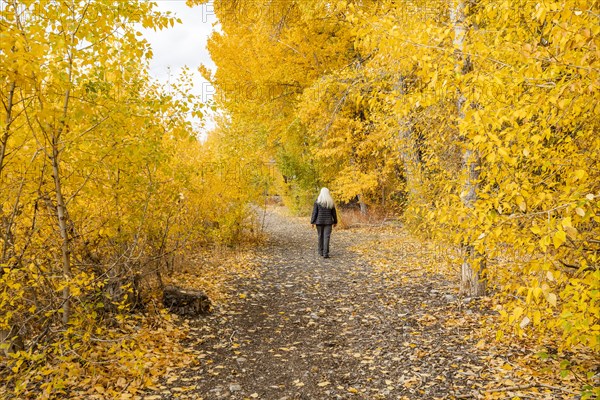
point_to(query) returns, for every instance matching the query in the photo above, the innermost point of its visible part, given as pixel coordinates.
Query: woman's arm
(315, 212)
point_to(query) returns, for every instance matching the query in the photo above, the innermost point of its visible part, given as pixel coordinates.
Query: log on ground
(186, 301)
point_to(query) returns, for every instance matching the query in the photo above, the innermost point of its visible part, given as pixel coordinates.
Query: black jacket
(323, 215)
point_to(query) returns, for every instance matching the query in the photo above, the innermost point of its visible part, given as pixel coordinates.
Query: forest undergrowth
(132, 351)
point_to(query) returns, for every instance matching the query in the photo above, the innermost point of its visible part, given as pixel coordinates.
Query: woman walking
(324, 217)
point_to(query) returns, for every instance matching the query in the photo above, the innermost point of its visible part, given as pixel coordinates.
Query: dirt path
(314, 328)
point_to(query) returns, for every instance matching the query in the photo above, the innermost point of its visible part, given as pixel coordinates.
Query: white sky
(184, 45)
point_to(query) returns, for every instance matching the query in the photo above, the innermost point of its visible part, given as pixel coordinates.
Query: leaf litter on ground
(381, 319)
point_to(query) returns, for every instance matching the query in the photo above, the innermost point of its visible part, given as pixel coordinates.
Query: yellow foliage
(480, 119)
(104, 187)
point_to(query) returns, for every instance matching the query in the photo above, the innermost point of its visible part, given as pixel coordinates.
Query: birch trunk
(61, 208)
(64, 233)
(472, 282)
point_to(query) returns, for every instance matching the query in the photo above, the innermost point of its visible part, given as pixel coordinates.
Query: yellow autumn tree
(102, 188)
(520, 107)
(479, 117)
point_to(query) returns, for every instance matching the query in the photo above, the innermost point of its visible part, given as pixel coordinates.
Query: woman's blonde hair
(325, 199)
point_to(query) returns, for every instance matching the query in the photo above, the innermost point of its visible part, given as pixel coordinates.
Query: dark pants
(324, 232)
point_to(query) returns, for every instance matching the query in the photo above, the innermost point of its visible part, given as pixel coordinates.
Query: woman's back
(323, 215)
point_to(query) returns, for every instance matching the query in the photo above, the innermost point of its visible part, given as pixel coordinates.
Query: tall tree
(472, 269)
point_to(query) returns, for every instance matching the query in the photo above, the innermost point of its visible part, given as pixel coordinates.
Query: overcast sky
(184, 44)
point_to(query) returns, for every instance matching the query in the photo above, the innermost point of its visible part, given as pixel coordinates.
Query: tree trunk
(61, 208)
(64, 233)
(362, 204)
(412, 165)
(409, 153)
(10, 337)
(472, 281)
(7, 124)
(7, 224)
